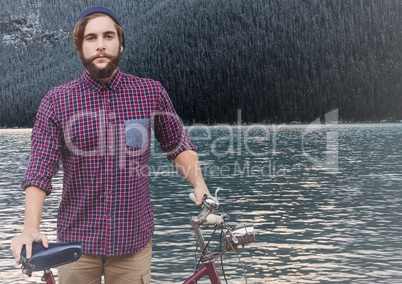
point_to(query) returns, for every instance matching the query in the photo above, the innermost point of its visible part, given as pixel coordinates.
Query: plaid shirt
(101, 133)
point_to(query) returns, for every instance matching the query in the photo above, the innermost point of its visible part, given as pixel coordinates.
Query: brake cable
(205, 248)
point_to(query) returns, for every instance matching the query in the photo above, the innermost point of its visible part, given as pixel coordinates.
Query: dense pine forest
(279, 61)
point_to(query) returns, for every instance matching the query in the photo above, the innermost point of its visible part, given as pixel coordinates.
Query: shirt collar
(98, 85)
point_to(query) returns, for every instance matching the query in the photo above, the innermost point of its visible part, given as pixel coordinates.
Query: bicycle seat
(45, 258)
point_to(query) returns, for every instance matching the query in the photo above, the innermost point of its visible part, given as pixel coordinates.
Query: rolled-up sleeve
(169, 129)
(45, 148)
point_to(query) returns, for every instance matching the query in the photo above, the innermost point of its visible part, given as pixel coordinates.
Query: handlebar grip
(192, 197)
(214, 219)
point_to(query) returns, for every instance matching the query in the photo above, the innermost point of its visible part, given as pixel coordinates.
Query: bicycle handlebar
(239, 235)
(206, 217)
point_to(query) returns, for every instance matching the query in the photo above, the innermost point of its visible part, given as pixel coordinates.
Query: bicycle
(58, 254)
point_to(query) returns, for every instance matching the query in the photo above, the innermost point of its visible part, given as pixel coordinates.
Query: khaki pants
(126, 269)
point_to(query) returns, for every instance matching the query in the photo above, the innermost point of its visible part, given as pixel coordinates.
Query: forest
(278, 61)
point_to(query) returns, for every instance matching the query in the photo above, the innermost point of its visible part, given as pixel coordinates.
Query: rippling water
(325, 203)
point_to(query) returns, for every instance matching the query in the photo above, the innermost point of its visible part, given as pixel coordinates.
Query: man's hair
(79, 29)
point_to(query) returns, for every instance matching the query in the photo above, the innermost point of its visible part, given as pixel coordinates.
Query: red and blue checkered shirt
(101, 133)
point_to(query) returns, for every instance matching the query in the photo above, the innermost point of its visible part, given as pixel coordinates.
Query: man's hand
(199, 192)
(26, 238)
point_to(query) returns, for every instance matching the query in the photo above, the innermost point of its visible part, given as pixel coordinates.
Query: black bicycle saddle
(45, 258)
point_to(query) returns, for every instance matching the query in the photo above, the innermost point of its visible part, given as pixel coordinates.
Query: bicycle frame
(48, 277)
(207, 269)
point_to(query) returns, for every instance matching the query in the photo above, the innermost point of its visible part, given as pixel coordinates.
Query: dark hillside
(277, 60)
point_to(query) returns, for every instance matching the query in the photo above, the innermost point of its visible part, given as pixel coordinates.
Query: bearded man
(99, 127)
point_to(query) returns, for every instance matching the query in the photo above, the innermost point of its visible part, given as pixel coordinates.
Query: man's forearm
(34, 199)
(189, 166)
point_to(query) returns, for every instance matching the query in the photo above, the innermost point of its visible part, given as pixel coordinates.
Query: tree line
(279, 61)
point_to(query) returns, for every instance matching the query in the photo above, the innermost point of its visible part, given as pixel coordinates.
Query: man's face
(101, 49)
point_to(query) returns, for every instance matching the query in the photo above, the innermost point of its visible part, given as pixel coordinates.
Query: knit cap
(99, 9)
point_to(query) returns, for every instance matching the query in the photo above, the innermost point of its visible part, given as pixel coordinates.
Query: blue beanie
(99, 9)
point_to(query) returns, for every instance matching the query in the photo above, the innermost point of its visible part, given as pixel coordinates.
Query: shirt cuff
(43, 184)
(171, 155)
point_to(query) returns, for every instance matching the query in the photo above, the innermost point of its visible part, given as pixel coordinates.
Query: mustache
(101, 55)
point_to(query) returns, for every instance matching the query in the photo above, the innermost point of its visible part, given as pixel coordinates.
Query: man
(99, 126)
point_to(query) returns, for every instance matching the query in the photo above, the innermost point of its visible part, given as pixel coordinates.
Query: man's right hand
(27, 238)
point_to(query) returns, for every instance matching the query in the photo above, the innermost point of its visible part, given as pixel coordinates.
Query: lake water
(325, 202)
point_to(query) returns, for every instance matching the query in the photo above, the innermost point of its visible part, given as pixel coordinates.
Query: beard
(101, 73)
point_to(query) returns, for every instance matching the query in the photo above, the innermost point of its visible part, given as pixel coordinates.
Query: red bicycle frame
(48, 277)
(207, 269)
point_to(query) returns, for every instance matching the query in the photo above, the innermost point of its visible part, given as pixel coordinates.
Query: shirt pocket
(136, 131)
